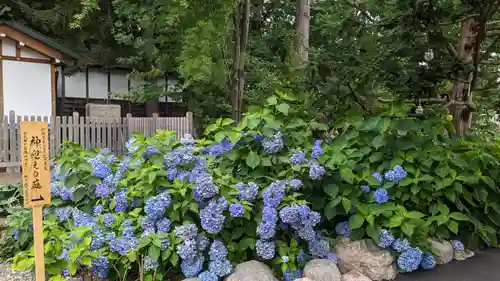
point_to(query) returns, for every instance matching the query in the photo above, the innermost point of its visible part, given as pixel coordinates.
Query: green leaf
(347, 175)
(227, 121)
(246, 243)
(346, 203)
(408, 229)
(211, 128)
(415, 215)
(283, 108)
(395, 221)
(330, 210)
(252, 160)
(219, 136)
(405, 182)
(72, 180)
(234, 136)
(272, 100)
(356, 221)
(151, 177)
(378, 141)
(370, 124)
(331, 189)
(459, 216)
(452, 226)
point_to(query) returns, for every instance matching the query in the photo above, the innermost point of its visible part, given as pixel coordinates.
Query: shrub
(276, 187)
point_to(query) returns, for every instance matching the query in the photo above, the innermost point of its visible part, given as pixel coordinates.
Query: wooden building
(34, 79)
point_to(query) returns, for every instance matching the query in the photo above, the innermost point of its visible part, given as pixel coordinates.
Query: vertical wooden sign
(36, 182)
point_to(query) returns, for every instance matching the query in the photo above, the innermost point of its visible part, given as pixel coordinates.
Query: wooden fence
(89, 132)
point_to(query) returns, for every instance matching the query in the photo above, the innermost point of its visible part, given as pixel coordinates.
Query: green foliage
(10, 196)
(448, 188)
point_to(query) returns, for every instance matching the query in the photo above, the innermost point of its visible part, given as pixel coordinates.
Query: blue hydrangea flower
(399, 172)
(248, 191)
(192, 267)
(186, 231)
(385, 239)
(102, 190)
(63, 255)
(212, 217)
(206, 188)
(457, 245)
(150, 263)
(101, 171)
(410, 260)
(236, 210)
(188, 250)
(208, 276)
(188, 140)
(381, 195)
(317, 150)
(290, 275)
(302, 256)
(149, 151)
(400, 245)
(265, 249)
(218, 250)
(148, 224)
(273, 144)
(97, 210)
(316, 171)
(428, 261)
(332, 257)
(274, 193)
(365, 188)
(378, 176)
(66, 194)
(121, 203)
(267, 227)
(108, 219)
(298, 158)
(342, 229)
(163, 225)
(220, 267)
(295, 184)
(319, 247)
(156, 206)
(63, 213)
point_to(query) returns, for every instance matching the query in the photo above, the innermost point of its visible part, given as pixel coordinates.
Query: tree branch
(358, 101)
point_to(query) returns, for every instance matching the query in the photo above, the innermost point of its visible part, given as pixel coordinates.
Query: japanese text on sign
(35, 163)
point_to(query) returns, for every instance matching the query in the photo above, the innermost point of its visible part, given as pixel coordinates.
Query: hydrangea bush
(276, 187)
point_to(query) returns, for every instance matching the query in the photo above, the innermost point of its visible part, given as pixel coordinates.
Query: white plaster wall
(8, 47)
(119, 82)
(29, 53)
(27, 88)
(75, 85)
(98, 84)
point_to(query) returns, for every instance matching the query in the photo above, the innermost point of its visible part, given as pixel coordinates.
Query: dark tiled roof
(40, 37)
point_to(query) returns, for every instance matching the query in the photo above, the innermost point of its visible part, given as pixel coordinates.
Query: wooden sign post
(36, 182)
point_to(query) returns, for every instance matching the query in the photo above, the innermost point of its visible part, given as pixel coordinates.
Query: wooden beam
(46, 61)
(87, 84)
(1, 81)
(31, 42)
(53, 88)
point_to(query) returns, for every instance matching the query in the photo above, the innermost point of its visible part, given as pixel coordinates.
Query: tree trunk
(302, 26)
(461, 96)
(241, 21)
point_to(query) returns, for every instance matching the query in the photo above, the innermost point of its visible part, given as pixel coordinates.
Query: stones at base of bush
(251, 271)
(192, 279)
(303, 279)
(366, 258)
(354, 275)
(322, 270)
(443, 250)
(463, 255)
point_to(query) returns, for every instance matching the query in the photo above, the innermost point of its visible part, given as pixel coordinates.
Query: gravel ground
(7, 274)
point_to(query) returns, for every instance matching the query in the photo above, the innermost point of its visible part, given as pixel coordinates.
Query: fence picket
(89, 132)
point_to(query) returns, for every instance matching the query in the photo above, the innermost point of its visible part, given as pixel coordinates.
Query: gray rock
(355, 276)
(322, 270)
(192, 279)
(469, 254)
(442, 250)
(459, 255)
(366, 258)
(252, 271)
